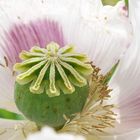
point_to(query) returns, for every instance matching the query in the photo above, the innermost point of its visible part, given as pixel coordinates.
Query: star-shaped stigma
(53, 69)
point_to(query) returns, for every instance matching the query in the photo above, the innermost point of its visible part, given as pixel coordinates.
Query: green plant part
(127, 3)
(52, 84)
(110, 2)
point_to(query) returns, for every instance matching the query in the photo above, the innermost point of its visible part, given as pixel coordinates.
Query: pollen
(97, 115)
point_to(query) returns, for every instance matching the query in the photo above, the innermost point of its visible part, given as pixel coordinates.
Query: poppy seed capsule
(52, 84)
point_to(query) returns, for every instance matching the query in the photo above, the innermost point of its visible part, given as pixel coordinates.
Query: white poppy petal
(7, 89)
(135, 135)
(50, 134)
(35, 23)
(126, 81)
(104, 36)
(126, 91)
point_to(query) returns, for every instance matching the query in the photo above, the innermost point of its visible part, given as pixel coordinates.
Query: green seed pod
(52, 84)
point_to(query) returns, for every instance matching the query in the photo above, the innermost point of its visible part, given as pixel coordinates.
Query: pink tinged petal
(17, 14)
(128, 100)
(128, 79)
(24, 24)
(134, 135)
(19, 18)
(25, 36)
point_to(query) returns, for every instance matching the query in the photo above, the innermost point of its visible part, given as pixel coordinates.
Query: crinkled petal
(35, 23)
(126, 82)
(104, 36)
(135, 135)
(102, 32)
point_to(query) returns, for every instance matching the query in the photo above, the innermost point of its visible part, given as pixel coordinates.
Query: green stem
(126, 3)
(5, 114)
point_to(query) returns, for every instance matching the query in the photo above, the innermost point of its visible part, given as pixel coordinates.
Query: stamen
(2, 65)
(6, 61)
(96, 116)
(2, 131)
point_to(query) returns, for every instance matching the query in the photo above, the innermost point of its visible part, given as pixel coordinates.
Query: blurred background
(112, 2)
(109, 2)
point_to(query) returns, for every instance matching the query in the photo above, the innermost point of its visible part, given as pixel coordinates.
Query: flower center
(53, 69)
